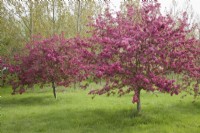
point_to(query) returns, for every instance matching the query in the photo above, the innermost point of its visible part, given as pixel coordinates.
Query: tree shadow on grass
(28, 100)
(99, 119)
(187, 108)
(105, 120)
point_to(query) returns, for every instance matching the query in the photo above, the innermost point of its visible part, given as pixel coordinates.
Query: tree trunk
(74, 85)
(53, 19)
(31, 20)
(54, 89)
(100, 82)
(78, 16)
(2, 78)
(138, 102)
(198, 81)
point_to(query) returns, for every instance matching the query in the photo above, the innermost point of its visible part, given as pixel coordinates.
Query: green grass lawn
(74, 111)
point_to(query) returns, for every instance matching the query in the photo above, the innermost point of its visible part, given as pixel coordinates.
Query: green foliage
(19, 20)
(10, 37)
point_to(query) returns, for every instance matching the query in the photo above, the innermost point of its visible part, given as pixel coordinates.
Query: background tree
(20, 20)
(10, 37)
(193, 21)
(134, 54)
(197, 90)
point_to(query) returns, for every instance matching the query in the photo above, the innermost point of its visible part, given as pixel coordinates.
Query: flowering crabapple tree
(47, 61)
(137, 50)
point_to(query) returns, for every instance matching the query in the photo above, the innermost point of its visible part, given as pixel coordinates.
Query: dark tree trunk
(138, 102)
(74, 85)
(3, 82)
(54, 89)
(2, 78)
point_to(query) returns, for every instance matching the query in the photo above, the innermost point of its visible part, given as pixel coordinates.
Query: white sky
(166, 4)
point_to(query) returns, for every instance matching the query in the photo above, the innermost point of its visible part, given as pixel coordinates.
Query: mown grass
(76, 112)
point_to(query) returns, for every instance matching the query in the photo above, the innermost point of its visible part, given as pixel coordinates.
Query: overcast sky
(165, 5)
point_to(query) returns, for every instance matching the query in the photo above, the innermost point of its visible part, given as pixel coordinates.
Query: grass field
(76, 112)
